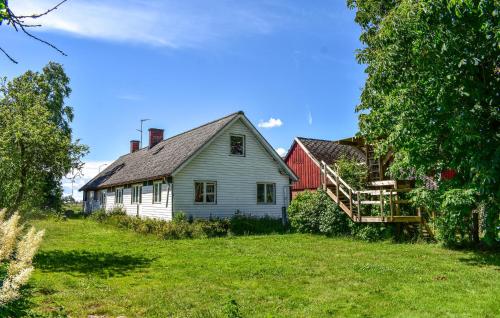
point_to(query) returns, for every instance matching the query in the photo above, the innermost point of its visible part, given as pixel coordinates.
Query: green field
(86, 268)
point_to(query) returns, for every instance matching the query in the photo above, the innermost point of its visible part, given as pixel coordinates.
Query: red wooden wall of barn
(305, 168)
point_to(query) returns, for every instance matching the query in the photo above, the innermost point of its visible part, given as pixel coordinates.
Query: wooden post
(323, 173)
(350, 200)
(390, 203)
(338, 185)
(359, 206)
(419, 213)
(324, 177)
(381, 203)
(380, 169)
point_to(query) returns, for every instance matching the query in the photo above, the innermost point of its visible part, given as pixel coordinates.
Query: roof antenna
(140, 130)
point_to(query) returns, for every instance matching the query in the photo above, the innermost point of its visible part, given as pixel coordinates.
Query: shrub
(303, 214)
(98, 215)
(333, 221)
(315, 212)
(179, 216)
(117, 211)
(352, 172)
(181, 227)
(455, 221)
(16, 255)
(369, 232)
(241, 224)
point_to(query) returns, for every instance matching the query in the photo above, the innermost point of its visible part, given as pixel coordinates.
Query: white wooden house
(215, 170)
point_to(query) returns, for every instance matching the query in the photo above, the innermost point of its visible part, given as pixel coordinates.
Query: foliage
(92, 269)
(314, 212)
(432, 92)
(36, 147)
(241, 224)
(352, 172)
(179, 216)
(16, 254)
(3, 11)
(369, 232)
(180, 227)
(456, 217)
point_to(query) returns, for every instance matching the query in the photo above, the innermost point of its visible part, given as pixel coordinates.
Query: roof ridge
(316, 139)
(203, 125)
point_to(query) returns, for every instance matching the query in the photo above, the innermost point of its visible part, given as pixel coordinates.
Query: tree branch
(36, 16)
(18, 23)
(8, 56)
(21, 25)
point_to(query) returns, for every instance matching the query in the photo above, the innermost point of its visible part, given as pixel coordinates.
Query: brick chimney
(134, 145)
(155, 136)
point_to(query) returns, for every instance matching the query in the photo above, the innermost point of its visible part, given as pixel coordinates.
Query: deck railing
(353, 201)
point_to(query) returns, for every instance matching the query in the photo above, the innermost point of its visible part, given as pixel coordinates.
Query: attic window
(238, 145)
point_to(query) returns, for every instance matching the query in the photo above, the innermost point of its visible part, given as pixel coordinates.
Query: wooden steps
(384, 196)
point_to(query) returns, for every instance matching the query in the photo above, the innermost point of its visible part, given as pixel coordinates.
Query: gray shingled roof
(331, 151)
(159, 161)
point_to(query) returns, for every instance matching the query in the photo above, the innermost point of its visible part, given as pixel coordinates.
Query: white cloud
(165, 23)
(281, 151)
(309, 118)
(271, 123)
(90, 170)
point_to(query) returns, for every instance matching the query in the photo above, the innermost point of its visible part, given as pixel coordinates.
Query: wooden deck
(384, 195)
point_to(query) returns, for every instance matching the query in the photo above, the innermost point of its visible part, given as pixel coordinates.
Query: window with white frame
(237, 145)
(266, 193)
(119, 196)
(157, 192)
(102, 197)
(205, 192)
(137, 193)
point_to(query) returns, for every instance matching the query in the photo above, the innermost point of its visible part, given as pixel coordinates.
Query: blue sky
(183, 63)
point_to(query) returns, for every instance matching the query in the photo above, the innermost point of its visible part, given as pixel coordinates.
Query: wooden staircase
(384, 200)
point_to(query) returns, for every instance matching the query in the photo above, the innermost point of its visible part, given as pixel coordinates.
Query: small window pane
(270, 193)
(157, 192)
(210, 198)
(238, 145)
(198, 192)
(137, 194)
(210, 188)
(119, 196)
(261, 190)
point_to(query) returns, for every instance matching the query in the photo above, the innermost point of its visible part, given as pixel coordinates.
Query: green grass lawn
(89, 268)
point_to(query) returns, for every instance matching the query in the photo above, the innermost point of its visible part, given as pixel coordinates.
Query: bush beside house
(315, 212)
(182, 227)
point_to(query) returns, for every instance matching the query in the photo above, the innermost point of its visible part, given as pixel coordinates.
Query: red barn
(306, 154)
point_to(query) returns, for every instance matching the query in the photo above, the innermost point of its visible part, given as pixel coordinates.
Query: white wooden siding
(110, 200)
(236, 178)
(156, 210)
(147, 208)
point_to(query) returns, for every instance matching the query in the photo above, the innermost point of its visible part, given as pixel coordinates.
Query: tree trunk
(22, 189)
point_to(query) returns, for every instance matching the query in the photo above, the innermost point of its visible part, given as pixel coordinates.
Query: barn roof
(169, 155)
(331, 151)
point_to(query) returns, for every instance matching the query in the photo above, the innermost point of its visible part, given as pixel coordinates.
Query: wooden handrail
(385, 192)
(337, 176)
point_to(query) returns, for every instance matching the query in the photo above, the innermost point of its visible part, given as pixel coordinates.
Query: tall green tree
(36, 147)
(433, 96)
